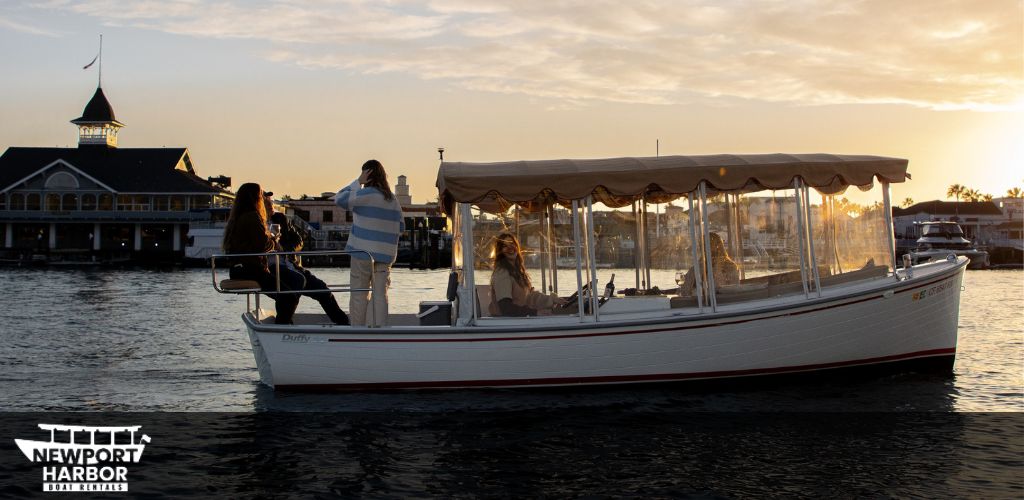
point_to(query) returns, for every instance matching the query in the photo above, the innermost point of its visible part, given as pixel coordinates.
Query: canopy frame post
(810, 240)
(647, 249)
(469, 259)
(705, 231)
(636, 245)
(696, 267)
(801, 235)
(542, 238)
(592, 258)
(887, 206)
(579, 262)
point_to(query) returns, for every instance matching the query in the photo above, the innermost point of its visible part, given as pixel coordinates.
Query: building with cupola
(100, 200)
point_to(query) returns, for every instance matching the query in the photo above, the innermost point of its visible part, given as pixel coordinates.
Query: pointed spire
(97, 125)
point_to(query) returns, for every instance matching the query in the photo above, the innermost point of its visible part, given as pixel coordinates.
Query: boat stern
(262, 362)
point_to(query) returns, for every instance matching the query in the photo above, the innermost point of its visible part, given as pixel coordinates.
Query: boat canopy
(617, 182)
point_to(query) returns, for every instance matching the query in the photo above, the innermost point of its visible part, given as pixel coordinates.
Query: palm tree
(956, 190)
(907, 202)
(971, 195)
(1015, 193)
(986, 197)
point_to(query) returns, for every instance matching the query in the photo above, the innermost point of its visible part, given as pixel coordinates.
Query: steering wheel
(574, 298)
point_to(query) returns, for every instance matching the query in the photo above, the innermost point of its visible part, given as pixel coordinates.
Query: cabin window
(106, 202)
(178, 203)
(88, 202)
(69, 201)
(3, 201)
(17, 201)
(33, 201)
(52, 202)
(160, 203)
(328, 216)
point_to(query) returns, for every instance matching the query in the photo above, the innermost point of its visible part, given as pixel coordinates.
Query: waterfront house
(99, 200)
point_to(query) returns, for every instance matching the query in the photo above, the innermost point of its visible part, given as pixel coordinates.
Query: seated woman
(511, 291)
(726, 271)
(246, 232)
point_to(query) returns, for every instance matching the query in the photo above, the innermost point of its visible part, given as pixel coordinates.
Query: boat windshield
(943, 230)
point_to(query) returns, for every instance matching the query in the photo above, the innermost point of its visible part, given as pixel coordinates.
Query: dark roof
(950, 207)
(126, 170)
(98, 110)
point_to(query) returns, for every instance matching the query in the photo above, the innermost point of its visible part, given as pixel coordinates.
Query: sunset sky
(296, 94)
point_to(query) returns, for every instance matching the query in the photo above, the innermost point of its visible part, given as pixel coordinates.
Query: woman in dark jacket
(246, 232)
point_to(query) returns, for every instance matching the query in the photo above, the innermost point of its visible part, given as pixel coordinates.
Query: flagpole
(99, 78)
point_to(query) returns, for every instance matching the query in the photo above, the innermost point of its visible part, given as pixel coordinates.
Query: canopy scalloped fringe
(617, 182)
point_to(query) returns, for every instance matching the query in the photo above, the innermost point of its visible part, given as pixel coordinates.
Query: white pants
(357, 302)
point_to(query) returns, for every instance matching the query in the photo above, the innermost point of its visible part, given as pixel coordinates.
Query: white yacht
(941, 238)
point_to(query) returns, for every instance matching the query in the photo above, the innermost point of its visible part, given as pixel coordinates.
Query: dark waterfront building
(99, 201)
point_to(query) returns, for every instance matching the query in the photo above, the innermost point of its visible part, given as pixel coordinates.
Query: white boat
(205, 235)
(941, 238)
(844, 306)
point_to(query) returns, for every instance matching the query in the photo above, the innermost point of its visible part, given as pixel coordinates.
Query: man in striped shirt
(376, 225)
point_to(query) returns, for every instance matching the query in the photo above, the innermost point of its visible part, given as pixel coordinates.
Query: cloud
(25, 28)
(940, 55)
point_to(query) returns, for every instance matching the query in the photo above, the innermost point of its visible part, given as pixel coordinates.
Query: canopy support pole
(592, 257)
(636, 245)
(468, 258)
(801, 234)
(543, 254)
(647, 249)
(552, 249)
(705, 231)
(579, 263)
(696, 267)
(810, 240)
(887, 206)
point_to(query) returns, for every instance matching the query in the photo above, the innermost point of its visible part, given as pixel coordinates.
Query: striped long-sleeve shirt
(376, 222)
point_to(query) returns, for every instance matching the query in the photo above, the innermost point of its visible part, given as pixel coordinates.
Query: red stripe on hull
(614, 379)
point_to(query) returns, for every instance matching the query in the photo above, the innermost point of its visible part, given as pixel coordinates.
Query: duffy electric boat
(831, 299)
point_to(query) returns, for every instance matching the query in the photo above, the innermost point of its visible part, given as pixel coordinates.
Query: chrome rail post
(801, 234)
(887, 206)
(696, 267)
(705, 228)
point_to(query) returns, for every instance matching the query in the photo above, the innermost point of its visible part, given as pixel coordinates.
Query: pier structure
(98, 201)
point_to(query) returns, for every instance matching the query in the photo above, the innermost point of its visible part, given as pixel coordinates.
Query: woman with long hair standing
(376, 225)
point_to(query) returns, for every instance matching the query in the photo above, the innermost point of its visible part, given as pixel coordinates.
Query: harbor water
(157, 343)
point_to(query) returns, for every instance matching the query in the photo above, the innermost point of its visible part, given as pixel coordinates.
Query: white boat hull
(884, 322)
